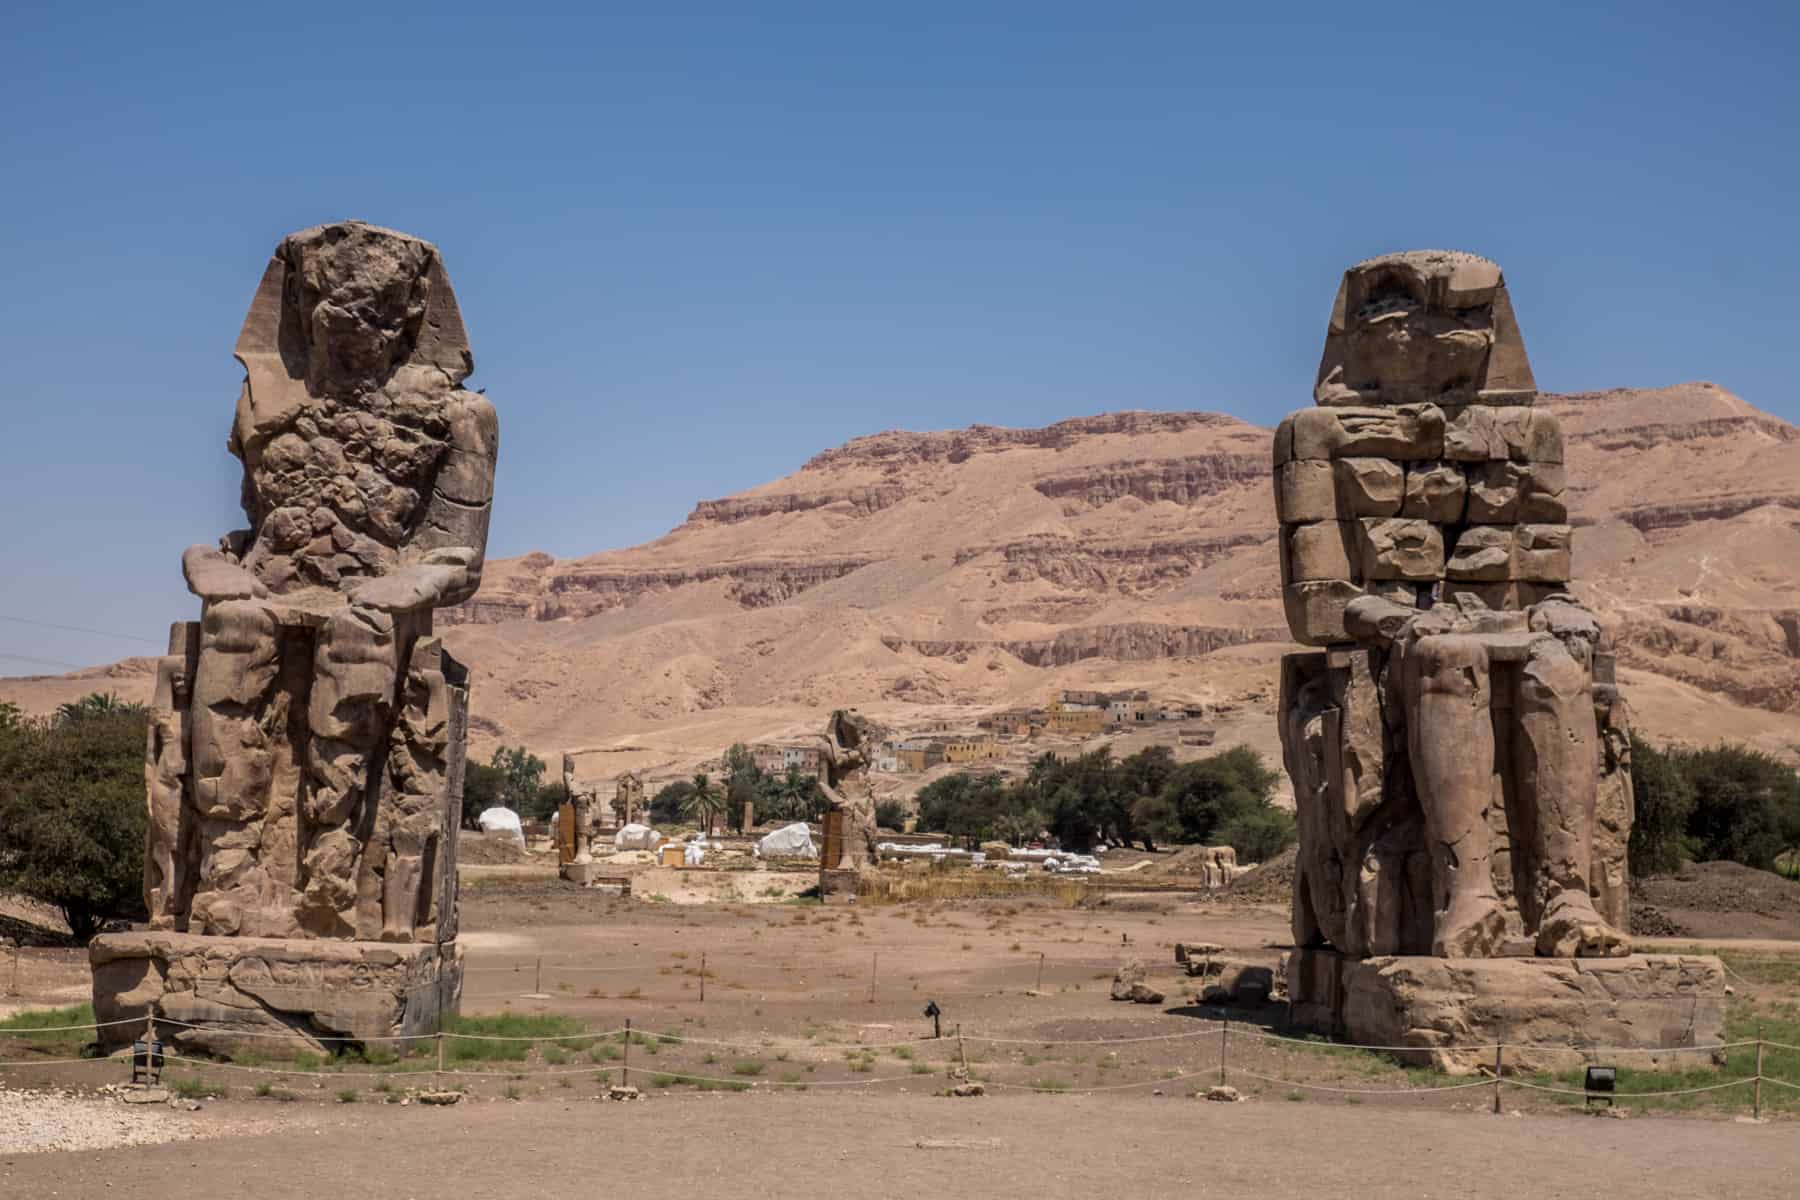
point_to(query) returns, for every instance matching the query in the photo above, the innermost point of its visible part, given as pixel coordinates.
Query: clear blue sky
(694, 246)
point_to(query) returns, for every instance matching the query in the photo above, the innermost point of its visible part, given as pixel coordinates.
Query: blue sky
(693, 246)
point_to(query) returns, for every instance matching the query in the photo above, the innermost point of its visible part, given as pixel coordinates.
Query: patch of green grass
(555, 1055)
(1296, 1095)
(347, 1096)
(662, 1081)
(922, 1068)
(604, 1052)
(748, 1066)
(508, 1025)
(513, 1092)
(1050, 1083)
(903, 1052)
(193, 1088)
(267, 1090)
(36, 1028)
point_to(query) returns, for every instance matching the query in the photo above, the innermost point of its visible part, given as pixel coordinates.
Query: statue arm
(211, 574)
(455, 527)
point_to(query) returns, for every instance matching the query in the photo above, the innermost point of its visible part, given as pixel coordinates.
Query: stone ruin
(628, 799)
(575, 845)
(849, 834)
(1458, 746)
(305, 764)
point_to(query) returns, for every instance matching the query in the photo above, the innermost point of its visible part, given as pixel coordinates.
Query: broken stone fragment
(1323, 550)
(1368, 487)
(1315, 610)
(1409, 433)
(1543, 553)
(1494, 493)
(1400, 548)
(1435, 492)
(1483, 554)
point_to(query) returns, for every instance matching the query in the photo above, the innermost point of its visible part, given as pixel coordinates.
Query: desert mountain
(925, 577)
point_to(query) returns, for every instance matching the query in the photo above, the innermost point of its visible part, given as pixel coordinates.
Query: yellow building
(968, 750)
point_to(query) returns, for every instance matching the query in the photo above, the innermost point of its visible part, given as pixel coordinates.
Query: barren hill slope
(926, 576)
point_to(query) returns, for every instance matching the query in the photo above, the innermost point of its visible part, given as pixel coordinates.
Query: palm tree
(707, 804)
(92, 705)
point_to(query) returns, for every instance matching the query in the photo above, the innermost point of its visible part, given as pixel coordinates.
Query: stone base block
(1552, 1013)
(582, 873)
(838, 886)
(217, 994)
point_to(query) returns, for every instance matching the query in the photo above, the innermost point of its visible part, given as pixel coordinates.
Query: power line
(45, 662)
(130, 637)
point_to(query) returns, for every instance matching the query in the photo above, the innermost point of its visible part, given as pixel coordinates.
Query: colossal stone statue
(1459, 749)
(849, 843)
(306, 750)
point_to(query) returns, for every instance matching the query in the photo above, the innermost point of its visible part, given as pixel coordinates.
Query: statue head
(1423, 326)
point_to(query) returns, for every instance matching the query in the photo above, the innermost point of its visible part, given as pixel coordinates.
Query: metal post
(1040, 979)
(538, 987)
(1224, 1032)
(874, 962)
(961, 1054)
(18, 949)
(703, 977)
(438, 1080)
(1756, 1102)
(627, 1063)
(1499, 1062)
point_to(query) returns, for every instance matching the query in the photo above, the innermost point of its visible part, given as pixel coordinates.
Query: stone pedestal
(218, 994)
(1552, 1013)
(838, 886)
(582, 873)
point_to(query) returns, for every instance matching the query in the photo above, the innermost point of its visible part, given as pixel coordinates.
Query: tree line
(1095, 799)
(1724, 802)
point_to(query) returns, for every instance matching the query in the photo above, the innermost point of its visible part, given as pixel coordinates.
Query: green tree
(671, 803)
(1745, 804)
(890, 814)
(706, 802)
(521, 774)
(93, 705)
(72, 813)
(1664, 799)
(1257, 834)
(11, 716)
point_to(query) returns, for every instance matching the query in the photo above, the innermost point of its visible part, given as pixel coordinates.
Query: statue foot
(1572, 929)
(1473, 927)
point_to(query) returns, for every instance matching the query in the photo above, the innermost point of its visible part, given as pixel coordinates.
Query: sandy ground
(863, 1147)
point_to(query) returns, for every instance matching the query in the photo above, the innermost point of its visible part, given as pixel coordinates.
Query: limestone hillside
(924, 577)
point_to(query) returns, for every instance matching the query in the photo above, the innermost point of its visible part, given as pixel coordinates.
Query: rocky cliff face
(926, 576)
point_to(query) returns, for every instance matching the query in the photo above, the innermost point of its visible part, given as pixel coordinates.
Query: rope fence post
(1499, 1060)
(703, 977)
(438, 1079)
(874, 964)
(1224, 1032)
(1756, 1096)
(962, 1054)
(627, 1064)
(1040, 974)
(538, 987)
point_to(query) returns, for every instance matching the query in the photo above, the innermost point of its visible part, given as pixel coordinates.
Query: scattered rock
(1242, 984)
(439, 1097)
(621, 1092)
(143, 1095)
(968, 1089)
(1223, 1094)
(1128, 984)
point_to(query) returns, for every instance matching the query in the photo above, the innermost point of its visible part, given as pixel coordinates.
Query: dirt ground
(865, 1147)
(1723, 899)
(733, 984)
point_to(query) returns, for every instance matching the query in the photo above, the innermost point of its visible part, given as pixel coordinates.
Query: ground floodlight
(935, 1013)
(1601, 1084)
(147, 1059)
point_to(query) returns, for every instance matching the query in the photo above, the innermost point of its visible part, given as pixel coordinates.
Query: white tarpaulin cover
(501, 820)
(790, 841)
(637, 837)
(695, 852)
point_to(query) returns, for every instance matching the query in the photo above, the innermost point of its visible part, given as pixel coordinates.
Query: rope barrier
(1320, 1087)
(1713, 1087)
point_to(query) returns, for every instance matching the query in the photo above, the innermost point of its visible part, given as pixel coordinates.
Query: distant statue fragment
(1459, 749)
(849, 842)
(581, 799)
(306, 754)
(628, 799)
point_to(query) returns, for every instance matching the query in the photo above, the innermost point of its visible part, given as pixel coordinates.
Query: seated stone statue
(1459, 751)
(313, 782)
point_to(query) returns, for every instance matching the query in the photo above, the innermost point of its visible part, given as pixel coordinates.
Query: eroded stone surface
(304, 770)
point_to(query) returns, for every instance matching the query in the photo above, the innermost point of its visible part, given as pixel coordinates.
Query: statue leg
(1450, 734)
(1555, 764)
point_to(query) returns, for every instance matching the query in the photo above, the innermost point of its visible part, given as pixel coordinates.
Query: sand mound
(1271, 882)
(1725, 899)
(486, 849)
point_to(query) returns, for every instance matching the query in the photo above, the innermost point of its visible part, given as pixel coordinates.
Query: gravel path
(35, 1121)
